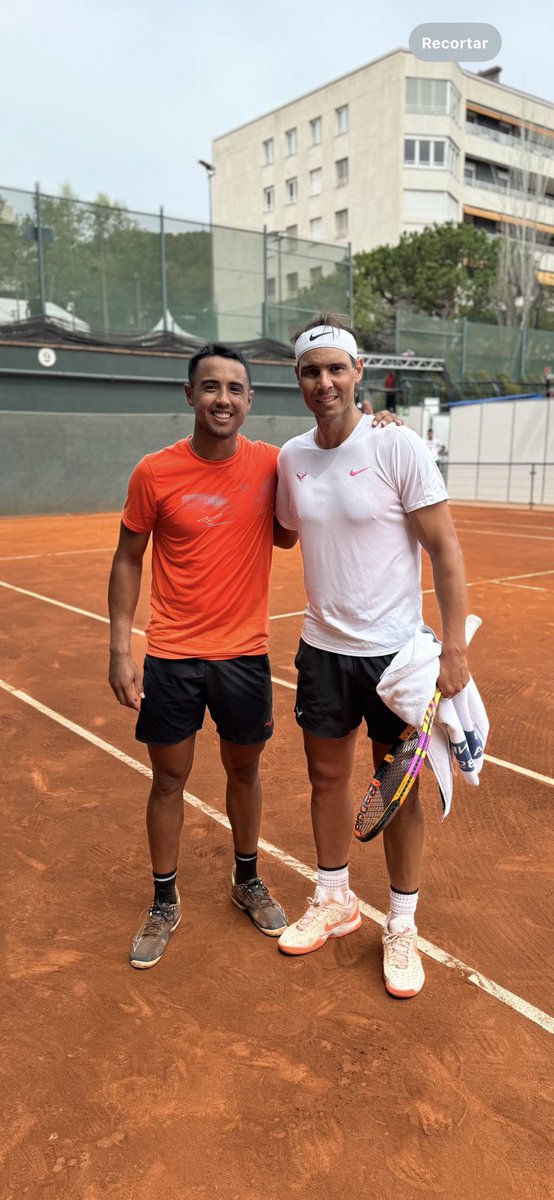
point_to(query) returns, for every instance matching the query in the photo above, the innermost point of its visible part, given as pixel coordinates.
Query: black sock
(165, 891)
(245, 867)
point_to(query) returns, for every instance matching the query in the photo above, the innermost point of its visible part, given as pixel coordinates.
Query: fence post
(40, 254)
(397, 330)
(522, 351)
(532, 473)
(463, 349)
(264, 301)
(350, 286)
(163, 269)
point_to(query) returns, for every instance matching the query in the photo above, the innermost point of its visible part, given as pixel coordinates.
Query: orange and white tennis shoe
(402, 967)
(321, 921)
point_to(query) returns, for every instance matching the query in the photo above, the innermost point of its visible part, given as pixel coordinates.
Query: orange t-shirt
(212, 525)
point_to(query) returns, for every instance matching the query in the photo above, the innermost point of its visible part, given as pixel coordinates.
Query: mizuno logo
(315, 336)
(215, 520)
(359, 471)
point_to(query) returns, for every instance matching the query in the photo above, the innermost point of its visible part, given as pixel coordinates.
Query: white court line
(503, 579)
(281, 616)
(83, 612)
(525, 587)
(56, 553)
(505, 525)
(441, 956)
(530, 537)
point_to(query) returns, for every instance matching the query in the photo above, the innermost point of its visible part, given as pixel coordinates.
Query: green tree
(446, 271)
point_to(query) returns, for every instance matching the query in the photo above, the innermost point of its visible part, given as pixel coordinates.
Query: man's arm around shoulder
(284, 538)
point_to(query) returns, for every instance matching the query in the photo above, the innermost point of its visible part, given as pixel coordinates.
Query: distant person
(390, 391)
(366, 407)
(433, 445)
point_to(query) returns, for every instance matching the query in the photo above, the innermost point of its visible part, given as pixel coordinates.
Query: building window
(291, 231)
(292, 284)
(453, 159)
(341, 223)
(316, 273)
(436, 153)
(291, 141)
(316, 229)
(437, 96)
(341, 172)
(269, 199)
(291, 190)
(271, 288)
(341, 119)
(315, 131)
(316, 182)
(269, 152)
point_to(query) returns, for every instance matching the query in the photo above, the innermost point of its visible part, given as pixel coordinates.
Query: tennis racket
(397, 773)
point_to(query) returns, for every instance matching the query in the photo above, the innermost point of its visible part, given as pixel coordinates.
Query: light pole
(210, 171)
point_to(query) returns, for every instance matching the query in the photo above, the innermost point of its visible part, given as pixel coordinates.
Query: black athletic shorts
(335, 691)
(236, 692)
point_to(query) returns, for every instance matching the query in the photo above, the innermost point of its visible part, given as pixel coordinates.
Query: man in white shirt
(433, 445)
(363, 501)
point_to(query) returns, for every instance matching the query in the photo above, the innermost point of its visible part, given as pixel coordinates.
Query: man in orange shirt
(208, 502)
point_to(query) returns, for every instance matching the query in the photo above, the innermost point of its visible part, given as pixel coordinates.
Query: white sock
(402, 910)
(332, 885)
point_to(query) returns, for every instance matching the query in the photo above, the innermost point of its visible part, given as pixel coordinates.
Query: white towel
(407, 686)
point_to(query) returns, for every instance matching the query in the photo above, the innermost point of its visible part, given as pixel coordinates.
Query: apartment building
(390, 148)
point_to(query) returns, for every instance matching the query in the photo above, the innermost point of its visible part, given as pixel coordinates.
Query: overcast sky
(124, 96)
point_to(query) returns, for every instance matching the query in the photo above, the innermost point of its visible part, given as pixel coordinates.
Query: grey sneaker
(151, 940)
(254, 899)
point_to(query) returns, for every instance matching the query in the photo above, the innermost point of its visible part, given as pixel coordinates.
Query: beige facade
(390, 148)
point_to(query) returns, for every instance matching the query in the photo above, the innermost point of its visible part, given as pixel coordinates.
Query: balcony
(506, 190)
(508, 139)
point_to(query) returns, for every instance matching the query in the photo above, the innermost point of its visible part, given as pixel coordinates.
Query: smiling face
(327, 379)
(221, 396)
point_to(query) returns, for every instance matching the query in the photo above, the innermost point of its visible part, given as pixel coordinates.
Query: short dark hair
(217, 350)
(331, 318)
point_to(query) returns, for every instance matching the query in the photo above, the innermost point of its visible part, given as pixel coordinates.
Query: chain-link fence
(478, 355)
(104, 269)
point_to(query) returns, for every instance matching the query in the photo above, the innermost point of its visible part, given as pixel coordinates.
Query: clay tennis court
(229, 1070)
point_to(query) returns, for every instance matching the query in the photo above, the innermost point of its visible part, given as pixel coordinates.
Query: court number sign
(46, 356)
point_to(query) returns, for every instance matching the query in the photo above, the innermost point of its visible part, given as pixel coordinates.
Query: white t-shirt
(362, 562)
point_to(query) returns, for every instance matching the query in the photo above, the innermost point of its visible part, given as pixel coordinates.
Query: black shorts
(335, 691)
(236, 692)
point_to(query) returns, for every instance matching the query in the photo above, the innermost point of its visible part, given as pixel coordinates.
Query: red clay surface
(228, 1070)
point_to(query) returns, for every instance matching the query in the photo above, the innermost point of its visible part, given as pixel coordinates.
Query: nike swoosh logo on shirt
(359, 471)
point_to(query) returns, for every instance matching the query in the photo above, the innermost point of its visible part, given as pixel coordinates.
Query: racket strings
(377, 799)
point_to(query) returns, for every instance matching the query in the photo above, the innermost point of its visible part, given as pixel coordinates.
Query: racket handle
(472, 624)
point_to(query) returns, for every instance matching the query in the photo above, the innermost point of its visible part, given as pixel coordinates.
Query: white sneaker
(402, 967)
(320, 921)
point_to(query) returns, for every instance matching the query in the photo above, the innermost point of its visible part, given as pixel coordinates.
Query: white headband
(325, 336)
